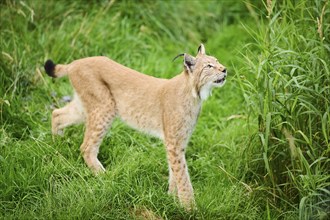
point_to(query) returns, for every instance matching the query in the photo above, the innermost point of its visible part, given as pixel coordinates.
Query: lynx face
(205, 72)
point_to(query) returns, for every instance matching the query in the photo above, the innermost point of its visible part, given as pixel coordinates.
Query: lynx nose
(225, 72)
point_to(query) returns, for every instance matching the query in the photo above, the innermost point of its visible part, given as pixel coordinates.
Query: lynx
(165, 108)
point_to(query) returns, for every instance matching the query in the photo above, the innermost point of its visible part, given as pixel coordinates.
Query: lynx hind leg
(97, 124)
(72, 113)
(100, 113)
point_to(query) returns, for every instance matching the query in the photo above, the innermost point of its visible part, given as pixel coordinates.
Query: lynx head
(205, 72)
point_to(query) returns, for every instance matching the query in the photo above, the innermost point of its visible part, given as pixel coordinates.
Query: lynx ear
(189, 63)
(201, 50)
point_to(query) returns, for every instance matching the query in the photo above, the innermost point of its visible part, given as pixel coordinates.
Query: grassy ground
(232, 171)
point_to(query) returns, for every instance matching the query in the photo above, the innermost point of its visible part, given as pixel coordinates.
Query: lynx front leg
(172, 189)
(179, 177)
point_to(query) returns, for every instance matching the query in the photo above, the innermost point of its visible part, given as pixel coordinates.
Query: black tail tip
(50, 68)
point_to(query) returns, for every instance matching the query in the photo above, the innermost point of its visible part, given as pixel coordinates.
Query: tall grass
(287, 88)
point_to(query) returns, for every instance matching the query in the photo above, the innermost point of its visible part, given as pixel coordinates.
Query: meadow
(261, 146)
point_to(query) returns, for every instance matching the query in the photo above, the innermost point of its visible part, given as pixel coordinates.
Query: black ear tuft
(181, 54)
(188, 61)
(50, 68)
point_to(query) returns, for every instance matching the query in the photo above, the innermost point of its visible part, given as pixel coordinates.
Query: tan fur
(167, 109)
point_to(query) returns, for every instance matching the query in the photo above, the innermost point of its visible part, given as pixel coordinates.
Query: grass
(260, 149)
(291, 101)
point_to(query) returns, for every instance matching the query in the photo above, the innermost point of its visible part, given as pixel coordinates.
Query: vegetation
(261, 146)
(291, 101)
